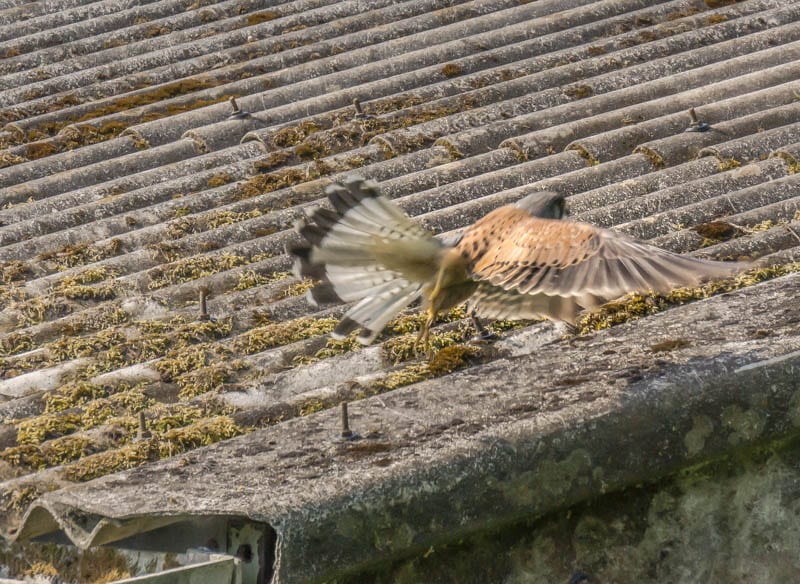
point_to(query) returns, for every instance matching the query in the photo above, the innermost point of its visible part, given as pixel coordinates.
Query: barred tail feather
(373, 312)
(365, 248)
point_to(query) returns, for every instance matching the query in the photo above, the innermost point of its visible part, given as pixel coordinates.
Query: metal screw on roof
(142, 433)
(237, 113)
(360, 114)
(346, 431)
(204, 305)
(697, 125)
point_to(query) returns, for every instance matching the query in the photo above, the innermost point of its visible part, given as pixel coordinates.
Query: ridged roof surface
(130, 182)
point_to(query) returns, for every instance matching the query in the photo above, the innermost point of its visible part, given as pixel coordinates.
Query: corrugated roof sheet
(151, 150)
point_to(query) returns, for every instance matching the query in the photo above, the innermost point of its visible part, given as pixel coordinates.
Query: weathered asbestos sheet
(546, 424)
(154, 152)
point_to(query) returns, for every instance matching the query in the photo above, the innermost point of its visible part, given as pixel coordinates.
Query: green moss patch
(446, 360)
(161, 445)
(283, 333)
(251, 279)
(15, 343)
(80, 254)
(90, 284)
(114, 348)
(634, 306)
(452, 70)
(292, 135)
(206, 221)
(73, 395)
(206, 379)
(193, 268)
(33, 457)
(45, 427)
(273, 181)
(180, 361)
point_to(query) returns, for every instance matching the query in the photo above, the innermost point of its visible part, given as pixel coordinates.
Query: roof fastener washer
(237, 113)
(697, 125)
(360, 114)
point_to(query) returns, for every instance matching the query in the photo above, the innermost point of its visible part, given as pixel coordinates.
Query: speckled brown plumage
(561, 267)
(519, 261)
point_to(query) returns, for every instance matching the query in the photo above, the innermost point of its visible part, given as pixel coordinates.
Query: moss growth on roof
(72, 395)
(446, 360)
(585, 154)
(45, 427)
(266, 183)
(32, 457)
(334, 347)
(193, 268)
(80, 133)
(407, 347)
(201, 433)
(452, 70)
(14, 271)
(162, 444)
(180, 361)
(635, 306)
(653, 155)
(294, 134)
(259, 17)
(97, 465)
(298, 288)
(207, 379)
(728, 164)
(271, 161)
(84, 285)
(113, 348)
(14, 343)
(40, 149)
(54, 439)
(219, 179)
(206, 221)
(251, 278)
(19, 498)
(283, 333)
(40, 308)
(311, 406)
(80, 254)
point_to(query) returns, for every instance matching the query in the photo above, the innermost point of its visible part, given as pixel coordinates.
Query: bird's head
(544, 204)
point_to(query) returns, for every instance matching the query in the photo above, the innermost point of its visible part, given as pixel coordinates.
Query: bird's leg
(425, 330)
(424, 336)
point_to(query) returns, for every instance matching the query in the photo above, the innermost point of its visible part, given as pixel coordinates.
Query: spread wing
(527, 266)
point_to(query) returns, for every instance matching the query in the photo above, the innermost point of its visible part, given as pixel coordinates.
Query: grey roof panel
(474, 450)
(127, 187)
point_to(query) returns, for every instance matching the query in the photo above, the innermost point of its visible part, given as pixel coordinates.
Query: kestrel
(519, 261)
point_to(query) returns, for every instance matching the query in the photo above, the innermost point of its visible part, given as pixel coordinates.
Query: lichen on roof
(131, 182)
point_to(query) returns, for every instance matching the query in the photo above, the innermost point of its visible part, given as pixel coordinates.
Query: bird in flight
(519, 261)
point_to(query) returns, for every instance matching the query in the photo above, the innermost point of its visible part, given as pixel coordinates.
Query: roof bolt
(697, 125)
(204, 305)
(346, 431)
(360, 115)
(237, 113)
(142, 433)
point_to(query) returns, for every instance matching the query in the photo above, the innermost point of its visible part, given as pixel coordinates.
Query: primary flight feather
(519, 261)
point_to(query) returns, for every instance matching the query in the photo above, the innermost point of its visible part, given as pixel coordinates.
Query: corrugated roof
(152, 150)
